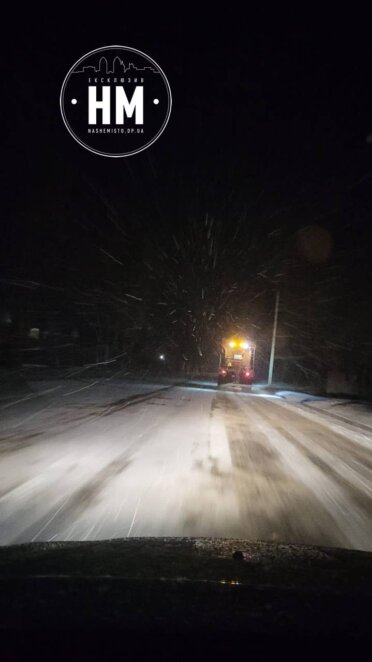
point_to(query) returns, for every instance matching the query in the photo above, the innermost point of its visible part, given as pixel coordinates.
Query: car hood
(186, 584)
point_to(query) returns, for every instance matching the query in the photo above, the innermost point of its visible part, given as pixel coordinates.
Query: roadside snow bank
(355, 412)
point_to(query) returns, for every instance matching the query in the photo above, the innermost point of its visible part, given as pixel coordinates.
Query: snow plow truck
(236, 361)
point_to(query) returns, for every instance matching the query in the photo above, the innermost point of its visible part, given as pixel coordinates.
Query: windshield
(185, 344)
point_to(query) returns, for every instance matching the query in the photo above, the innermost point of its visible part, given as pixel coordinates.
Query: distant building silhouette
(118, 67)
(103, 66)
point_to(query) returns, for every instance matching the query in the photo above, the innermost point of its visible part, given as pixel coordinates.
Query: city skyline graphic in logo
(115, 101)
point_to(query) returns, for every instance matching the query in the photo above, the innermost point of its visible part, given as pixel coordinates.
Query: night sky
(268, 136)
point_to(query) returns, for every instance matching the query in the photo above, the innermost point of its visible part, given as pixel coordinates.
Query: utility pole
(272, 353)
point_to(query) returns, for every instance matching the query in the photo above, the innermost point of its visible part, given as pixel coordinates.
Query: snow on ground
(69, 393)
(356, 412)
(359, 413)
(82, 460)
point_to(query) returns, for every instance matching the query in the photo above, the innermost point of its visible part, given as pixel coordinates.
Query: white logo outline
(79, 140)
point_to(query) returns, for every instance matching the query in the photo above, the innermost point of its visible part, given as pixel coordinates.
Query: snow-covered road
(183, 461)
